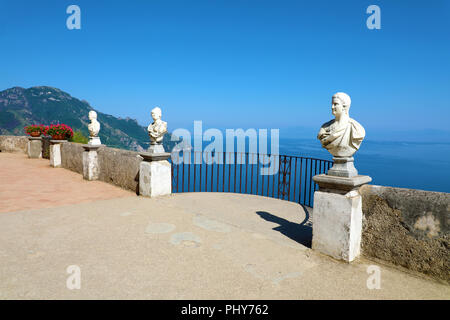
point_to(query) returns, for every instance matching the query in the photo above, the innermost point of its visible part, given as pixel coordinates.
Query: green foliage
(53, 106)
(79, 137)
(8, 120)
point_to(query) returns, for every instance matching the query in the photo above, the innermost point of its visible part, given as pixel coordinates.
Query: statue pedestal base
(343, 167)
(55, 153)
(155, 175)
(156, 148)
(337, 216)
(91, 168)
(34, 149)
(94, 141)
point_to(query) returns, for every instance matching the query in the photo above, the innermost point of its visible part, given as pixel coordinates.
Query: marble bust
(94, 128)
(343, 135)
(156, 131)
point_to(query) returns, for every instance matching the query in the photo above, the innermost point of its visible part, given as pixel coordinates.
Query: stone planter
(58, 137)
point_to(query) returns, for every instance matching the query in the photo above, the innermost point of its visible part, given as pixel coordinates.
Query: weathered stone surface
(72, 156)
(343, 167)
(155, 178)
(340, 185)
(55, 153)
(119, 167)
(150, 156)
(90, 165)
(337, 221)
(34, 148)
(13, 143)
(408, 228)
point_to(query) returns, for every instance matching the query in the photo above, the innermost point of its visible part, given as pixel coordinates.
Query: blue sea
(424, 166)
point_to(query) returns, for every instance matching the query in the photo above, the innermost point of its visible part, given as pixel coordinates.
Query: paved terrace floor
(182, 246)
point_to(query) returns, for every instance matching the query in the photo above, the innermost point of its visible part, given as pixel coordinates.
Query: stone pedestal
(91, 169)
(337, 216)
(155, 176)
(55, 153)
(156, 148)
(34, 147)
(95, 141)
(343, 167)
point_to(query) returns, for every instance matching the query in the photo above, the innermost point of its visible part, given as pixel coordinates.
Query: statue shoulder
(327, 124)
(357, 127)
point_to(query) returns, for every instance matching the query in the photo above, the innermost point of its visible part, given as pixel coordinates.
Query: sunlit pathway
(27, 184)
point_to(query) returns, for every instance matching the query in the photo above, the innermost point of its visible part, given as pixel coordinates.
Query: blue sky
(231, 64)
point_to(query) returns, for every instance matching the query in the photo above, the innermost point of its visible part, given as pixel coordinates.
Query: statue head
(92, 115)
(340, 104)
(156, 113)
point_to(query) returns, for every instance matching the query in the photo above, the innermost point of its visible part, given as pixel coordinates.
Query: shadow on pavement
(299, 232)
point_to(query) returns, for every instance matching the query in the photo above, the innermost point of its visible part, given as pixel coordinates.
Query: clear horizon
(231, 64)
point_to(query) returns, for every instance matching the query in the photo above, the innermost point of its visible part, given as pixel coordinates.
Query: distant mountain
(20, 107)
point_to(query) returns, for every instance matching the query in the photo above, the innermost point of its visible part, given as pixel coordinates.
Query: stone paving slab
(183, 246)
(27, 184)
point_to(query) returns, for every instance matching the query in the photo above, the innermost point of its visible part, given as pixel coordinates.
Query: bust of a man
(341, 136)
(94, 126)
(158, 128)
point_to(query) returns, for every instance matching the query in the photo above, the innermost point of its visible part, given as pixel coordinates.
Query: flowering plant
(62, 130)
(35, 128)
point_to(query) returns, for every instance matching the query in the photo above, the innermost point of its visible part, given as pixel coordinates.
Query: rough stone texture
(55, 154)
(34, 148)
(340, 185)
(90, 165)
(17, 144)
(72, 157)
(119, 167)
(407, 227)
(337, 223)
(343, 167)
(155, 178)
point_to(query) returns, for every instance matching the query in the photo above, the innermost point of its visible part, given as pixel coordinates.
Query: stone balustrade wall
(118, 167)
(13, 143)
(407, 227)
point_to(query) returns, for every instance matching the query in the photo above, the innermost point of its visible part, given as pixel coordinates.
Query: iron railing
(288, 178)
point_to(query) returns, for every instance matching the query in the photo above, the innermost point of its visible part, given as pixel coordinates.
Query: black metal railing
(277, 176)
